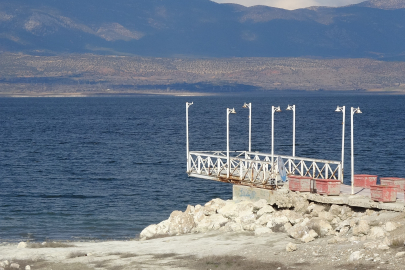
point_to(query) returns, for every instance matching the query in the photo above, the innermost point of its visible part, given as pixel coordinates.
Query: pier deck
(280, 197)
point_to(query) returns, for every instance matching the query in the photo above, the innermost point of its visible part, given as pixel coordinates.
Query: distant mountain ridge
(202, 28)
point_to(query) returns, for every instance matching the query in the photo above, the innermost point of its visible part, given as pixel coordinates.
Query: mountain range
(202, 28)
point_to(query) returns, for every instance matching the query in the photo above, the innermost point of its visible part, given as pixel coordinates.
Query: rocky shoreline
(372, 231)
(291, 232)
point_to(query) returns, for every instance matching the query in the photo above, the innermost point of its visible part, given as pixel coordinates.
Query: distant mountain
(201, 28)
(384, 4)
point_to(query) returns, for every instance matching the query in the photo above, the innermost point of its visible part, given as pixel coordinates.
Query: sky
(292, 4)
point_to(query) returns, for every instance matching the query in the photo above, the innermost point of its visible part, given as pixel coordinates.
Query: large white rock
(291, 247)
(229, 210)
(199, 213)
(390, 226)
(180, 223)
(400, 254)
(259, 204)
(298, 231)
(22, 245)
(247, 219)
(376, 232)
(292, 216)
(315, 209)
(233, 227)
(149, 232)
(213, 222)
(320, 226)
(355, 256)
(362, 228)
(27, 267)
(263, 231)
(335, 210)
(326, 216)
(267, 209)
(163, 228)
(15, 265)
(214, 205)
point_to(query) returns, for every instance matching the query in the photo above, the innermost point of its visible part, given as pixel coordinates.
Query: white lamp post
(343, 110)
(292, 108)
(249, 105)
(353, 111)
(188, 160)
(273, 109)
(228, 111)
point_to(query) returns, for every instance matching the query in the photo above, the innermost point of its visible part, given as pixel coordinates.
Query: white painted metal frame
(256, 168)
(352, 112)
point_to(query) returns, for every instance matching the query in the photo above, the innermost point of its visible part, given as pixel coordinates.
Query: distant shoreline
(196, 94)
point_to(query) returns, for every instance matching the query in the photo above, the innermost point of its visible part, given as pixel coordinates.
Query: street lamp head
(290, 108)
(356, 110)
(339, 109)
(246, 105)
(189, 104)
(277, 109)
(231, 110)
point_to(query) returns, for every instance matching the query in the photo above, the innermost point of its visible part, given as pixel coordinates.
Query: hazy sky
(292, 4)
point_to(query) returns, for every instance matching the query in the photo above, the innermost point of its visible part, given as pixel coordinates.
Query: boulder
(259, 204)
(320, 226)
(232, 210)
(337, 239)
(291, 247)
(362, 228)
(298, 231)
(265, 210)
(376, 232)
(163, 228)
(370, 245)
(149, 232)
(355, 256)
(390, 226)
(315, 209)
(326, 216)
(15, 266)
(307, 238)
(233, 227)
(199, 213)
(335, 210)
(263, 231)
(383, 247)
(247, 219)
(180, 223)
(22, 245)
(27, 267)
(213, 222)
(292, 216)
(400, 254)
(216, 203)
(277, 219)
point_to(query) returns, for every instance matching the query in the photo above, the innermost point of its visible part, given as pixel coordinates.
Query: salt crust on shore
(312, 237)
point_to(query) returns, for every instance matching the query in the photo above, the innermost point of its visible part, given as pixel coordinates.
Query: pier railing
(256, 168)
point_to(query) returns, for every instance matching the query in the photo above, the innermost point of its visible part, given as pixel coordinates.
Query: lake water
(106, 167)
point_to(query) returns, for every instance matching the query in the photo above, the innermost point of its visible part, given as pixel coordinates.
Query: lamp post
(343, 110)
(273, 110)
(292, 108)
(249, 105)
(353, 111)
(228, 111)
(188, 160)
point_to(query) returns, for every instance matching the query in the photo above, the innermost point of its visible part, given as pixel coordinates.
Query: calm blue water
(105, 168)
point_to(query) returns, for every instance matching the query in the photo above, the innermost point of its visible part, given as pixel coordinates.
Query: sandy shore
(212, 250)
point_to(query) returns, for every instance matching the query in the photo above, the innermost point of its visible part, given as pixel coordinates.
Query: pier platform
(283, 197)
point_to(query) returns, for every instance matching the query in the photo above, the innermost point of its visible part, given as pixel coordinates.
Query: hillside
(201, 28)
(97, 74)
